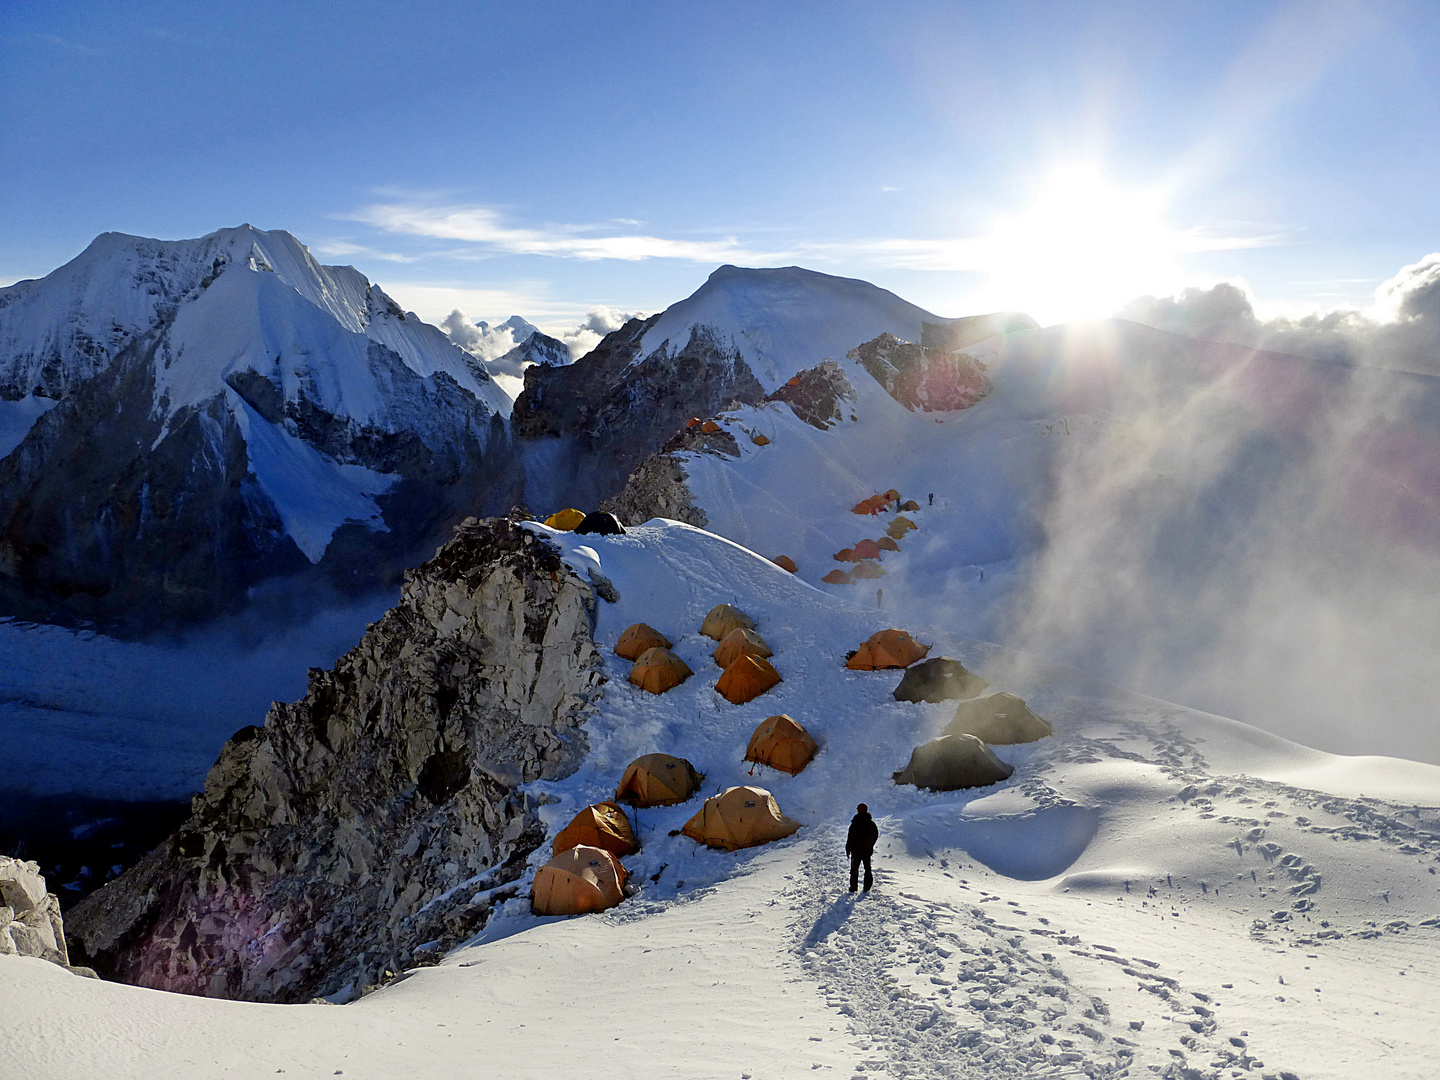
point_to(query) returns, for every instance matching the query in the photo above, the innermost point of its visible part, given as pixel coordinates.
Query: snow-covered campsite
(1154, 892)
(876, 542)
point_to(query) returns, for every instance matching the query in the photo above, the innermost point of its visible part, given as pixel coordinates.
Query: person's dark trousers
(855, 861)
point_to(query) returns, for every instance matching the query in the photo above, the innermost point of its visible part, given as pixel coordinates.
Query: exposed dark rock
(816, 395)
(332, 844)
(657, 489)
(616, 407)
(932, 380)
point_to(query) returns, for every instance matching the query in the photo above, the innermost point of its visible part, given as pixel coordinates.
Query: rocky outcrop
(376, 821)
(817, 395)
(30, 923)
(931, 380)
(616, 406)
(657, 489)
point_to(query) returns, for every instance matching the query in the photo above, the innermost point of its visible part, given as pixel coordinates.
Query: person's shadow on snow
(831, 920)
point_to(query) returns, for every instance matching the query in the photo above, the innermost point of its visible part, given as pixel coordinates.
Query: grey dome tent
(1000, 719)
(940, 678)
(951, 762)
(602, 522)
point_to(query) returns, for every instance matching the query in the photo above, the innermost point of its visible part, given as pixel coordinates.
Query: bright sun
(1082, 248)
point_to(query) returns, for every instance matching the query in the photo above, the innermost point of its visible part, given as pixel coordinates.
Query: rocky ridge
(30, 923)
(374, 823)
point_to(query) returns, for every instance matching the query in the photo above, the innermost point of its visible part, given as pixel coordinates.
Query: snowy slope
(1154, 892)
(58, 330)
(1247, 533)
(786, 319)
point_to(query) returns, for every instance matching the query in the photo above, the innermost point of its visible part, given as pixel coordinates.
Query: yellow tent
(739, 641)
(658, 780)
(722, 619)
(603, 825)
(781, 743)
(739, 817)
(658, 670)
(899, 527)
(636, 639)
(747, 677)
(887, 649)
(1000, 719)
(565, 520)
(578, 881)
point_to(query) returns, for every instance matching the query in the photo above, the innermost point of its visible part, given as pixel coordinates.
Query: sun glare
(1082, 248)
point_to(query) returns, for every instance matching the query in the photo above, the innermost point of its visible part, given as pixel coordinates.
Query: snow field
(1125, 905)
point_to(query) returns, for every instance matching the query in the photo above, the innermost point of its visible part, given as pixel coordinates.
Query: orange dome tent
(747, 677)
(781, 743)
(723, 618)
(603, 825)
(759, 440)
(846, 555)
(739, 641)
(887, 649)
(658, 670)
(709, 427)
(867, 570)
(909, 505)
(693, 423)
(565, 520)
(739, 817)
(578, 881)
(636, 639)
(867, 549)
(658, 780)
(837, 577)
(785, 563)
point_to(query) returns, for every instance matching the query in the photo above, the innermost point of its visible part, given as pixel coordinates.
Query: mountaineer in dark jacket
(860, 844)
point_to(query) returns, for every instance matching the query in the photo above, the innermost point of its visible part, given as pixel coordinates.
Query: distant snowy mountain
(741, 335)
(181, 420)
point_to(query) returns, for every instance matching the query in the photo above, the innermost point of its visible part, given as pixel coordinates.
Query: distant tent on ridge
(603, 825)
(1000, 719)
(867, 570)
(952, 762)
(899, 527)
(723, 618)
(838, 577)
(565, 520)
(602, 523)
(578, 881)
(782, 743)
(739, 817)
(867, 549)
(747, 677)
(658, 669)
(637, 638)
(890, 648)
(846, 555)
(658, 780)
(785, 563)
(739, 641)
(940, 678)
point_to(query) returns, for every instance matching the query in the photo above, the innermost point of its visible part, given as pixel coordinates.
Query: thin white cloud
(344, 249)
(483, 225)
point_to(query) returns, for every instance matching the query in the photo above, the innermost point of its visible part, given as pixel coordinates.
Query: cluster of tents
(866, 554)
(600, 522)
(960, 757)
(742, 654)
(585, 873)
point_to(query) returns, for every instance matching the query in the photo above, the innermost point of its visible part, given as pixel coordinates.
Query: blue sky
(548, 158)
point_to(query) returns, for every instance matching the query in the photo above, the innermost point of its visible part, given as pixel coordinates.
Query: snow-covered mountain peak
(785, 319)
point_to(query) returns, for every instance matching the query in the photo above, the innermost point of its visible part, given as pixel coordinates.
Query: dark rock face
(617, 406)
(99, 514)
(817, 396)
(354, 826)
(932, 380)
